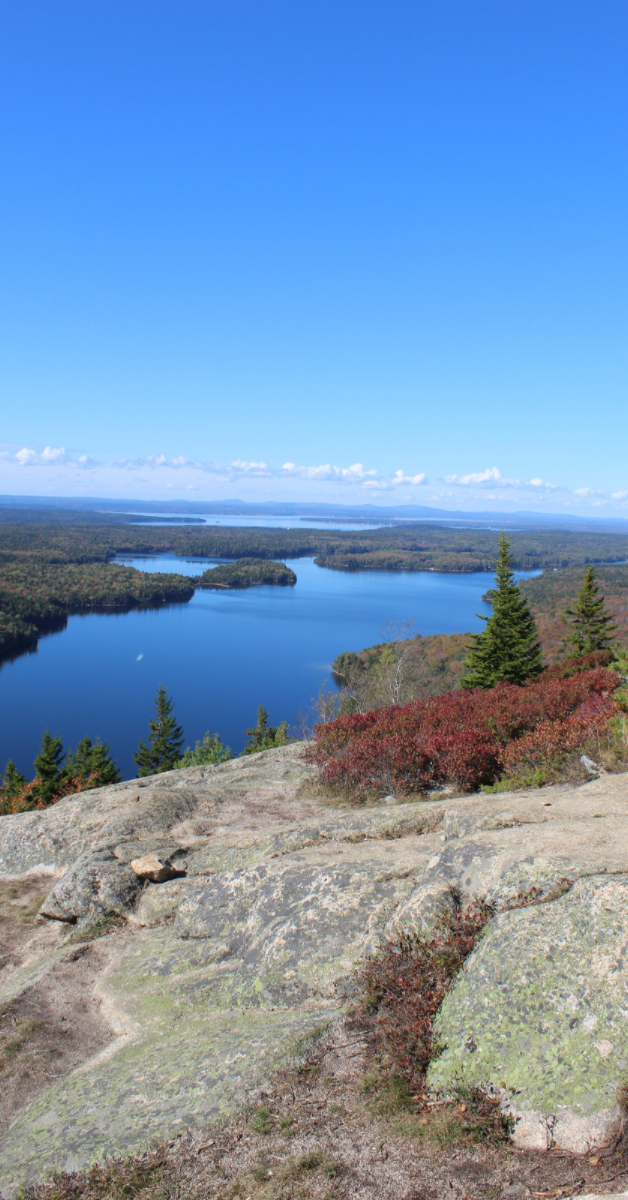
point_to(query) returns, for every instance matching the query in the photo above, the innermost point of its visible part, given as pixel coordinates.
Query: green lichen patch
(540, 1007)
(182, 1074)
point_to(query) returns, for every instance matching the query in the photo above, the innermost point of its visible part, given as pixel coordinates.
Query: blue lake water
(219, 656)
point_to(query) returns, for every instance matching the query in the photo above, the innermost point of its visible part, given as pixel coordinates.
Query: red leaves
(407, 981)
(28, 798)
(465, 737)
(553, 738)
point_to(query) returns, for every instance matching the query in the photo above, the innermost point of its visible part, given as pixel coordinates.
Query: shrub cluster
(464, 738)
(30, 796)
(406, 982)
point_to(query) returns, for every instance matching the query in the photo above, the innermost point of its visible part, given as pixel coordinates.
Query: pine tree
(508, 649)
(163, 752)
(48, 765)
(209, 750)
(591, 624)
(264, 736)
(12, 781)
(91, 762)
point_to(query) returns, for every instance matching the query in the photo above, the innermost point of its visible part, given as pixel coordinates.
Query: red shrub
(406, 982)
(562, 670)
(464, 737)
(553, 739)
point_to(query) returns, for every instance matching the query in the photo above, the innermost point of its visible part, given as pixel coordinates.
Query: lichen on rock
(215, 977)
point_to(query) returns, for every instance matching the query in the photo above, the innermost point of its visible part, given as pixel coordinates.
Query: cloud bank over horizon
(53, 470)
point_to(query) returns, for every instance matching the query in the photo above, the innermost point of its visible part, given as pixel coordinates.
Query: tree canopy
(508, 650)
(592, 626)
(264, 736)
(165, 740)
(208, 751)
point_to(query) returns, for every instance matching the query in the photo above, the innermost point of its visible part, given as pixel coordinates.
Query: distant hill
(358, 512)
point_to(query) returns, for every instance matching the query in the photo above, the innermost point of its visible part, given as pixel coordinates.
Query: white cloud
(26, 456)
(619, 495)
(243, 467)
(492, 476)
(353, 474)
(50, 456)
(586, 491)
(399, 477)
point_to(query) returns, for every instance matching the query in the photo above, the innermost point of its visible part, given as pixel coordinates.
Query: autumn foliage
(464, 738)
(29, 797)
(406, 982)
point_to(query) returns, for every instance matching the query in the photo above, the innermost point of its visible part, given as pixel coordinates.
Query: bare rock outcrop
(217, 975)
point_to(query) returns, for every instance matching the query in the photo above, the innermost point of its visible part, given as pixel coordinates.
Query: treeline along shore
(51, 568)
(415, 548)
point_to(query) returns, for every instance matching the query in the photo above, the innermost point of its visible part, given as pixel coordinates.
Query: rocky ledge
(245, 952)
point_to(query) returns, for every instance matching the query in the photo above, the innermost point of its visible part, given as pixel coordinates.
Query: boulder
(154, 868)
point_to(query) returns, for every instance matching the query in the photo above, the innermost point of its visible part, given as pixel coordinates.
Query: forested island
(51, 566)
(37, 597)
(247, 572)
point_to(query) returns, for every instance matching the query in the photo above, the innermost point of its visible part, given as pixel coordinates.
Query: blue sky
(315, 250)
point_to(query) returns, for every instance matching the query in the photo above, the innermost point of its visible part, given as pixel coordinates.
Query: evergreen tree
(165, 741)
(591, 624)
(91, 762)
(12, 781)
(209, 750)
(508, 649)
(48, 765)
(264, 736)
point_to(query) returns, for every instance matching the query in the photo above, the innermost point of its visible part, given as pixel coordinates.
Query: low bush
(29, 797)
(405, 984)
(467, 738)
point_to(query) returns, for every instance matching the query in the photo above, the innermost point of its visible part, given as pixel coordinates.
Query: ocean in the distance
(219, 656)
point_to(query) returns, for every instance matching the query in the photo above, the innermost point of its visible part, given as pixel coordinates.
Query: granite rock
(217, 976)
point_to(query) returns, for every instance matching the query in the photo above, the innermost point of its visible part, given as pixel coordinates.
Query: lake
(219, 656)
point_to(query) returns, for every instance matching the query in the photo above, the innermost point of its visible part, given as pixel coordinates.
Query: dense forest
(51, 566)
(247, 572)
(412, 548)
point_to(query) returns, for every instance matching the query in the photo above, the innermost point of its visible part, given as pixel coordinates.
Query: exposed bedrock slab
(198, 1043)
(219, 975)
(540, 1014)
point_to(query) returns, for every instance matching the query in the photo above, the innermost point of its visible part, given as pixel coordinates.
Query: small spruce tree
(91, 762)
(508, 649)
(163, 751)
(264, 736)
(209, 750)
(590, 622)
(12, 781)
(48, 767)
